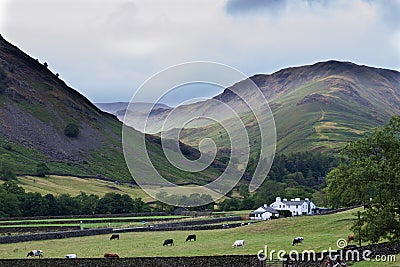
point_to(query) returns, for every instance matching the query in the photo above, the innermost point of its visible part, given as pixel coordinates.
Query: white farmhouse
(295, 206)
(264, 213)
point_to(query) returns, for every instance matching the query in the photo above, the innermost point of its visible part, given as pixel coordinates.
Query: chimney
(307, 199)
(278, 199)
(297, 199)
(285, 199)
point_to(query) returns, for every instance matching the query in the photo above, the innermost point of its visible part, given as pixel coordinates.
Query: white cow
(70, 256)
(238, 243)
(35, 252)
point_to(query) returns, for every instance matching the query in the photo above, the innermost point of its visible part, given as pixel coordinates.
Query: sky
(106, 49)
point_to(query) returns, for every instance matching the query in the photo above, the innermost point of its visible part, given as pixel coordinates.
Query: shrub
(42, 169)
(7, 168)
(71, 130)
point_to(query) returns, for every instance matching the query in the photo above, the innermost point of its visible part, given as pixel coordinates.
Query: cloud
(107, 48)
(244, 6)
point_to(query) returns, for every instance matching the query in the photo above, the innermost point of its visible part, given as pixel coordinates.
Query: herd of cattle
(167, 242)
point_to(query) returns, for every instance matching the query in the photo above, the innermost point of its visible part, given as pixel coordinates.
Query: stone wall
(204, 261)
(142, 214)
(31, 229)
(53, 235)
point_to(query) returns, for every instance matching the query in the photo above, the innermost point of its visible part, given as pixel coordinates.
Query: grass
(320, 232)
(373, 263)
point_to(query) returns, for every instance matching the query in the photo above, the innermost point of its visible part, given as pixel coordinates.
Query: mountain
(120, 108)
(316, 107)
(44, 120)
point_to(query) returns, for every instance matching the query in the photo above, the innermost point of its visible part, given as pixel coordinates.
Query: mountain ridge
(333, 102)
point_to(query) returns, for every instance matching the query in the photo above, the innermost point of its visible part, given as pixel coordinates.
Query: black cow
(297, 240)
(190, 238)
(114, 236)
(34, 253)
(168, 242)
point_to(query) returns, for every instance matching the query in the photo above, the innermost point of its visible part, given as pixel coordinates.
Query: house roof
(291, 203)
(265, 209)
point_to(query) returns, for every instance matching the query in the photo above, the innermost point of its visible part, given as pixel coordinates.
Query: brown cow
(350, 238)
(111, 255)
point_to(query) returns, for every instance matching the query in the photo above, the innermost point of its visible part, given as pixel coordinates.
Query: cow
(70, 256)
(34, 253)
(297, 240)
(190, 238)
(111, 255)
(114, 236)
(350, 238)
(168, 242)
(238, 243)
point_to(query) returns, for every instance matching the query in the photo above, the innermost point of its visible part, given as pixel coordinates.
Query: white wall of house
(295, 206)
(262, 214)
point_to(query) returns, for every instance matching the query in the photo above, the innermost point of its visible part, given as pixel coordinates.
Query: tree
(68, 205)
(42, 170)
(268, 192)
(370, 175)
(7, 167)
(244, 191)
(71, 130)
(9, 204)
(34, 205)
(87, 202)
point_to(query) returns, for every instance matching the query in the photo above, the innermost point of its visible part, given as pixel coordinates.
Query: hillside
(316, 108)
(35, 108)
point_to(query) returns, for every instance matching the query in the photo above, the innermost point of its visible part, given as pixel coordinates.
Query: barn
(264, 213)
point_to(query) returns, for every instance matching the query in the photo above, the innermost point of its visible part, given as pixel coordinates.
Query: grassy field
(57, 185)
(320, 232)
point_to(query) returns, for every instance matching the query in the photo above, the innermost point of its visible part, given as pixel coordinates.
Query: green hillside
(316, 108)
(36, 107)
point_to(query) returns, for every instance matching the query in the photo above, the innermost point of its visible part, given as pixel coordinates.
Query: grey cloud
(244, 6)
(389, 12)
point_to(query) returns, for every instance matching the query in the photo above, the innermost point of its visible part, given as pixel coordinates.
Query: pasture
(87, 223)
(73, 186)
(319, 232)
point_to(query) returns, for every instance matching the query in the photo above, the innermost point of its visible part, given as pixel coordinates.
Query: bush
(7, 168)
(42, 169)
(71, 130)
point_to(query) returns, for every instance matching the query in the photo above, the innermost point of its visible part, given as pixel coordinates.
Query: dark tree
(7, 168)
(42, 170)
(71, 130)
